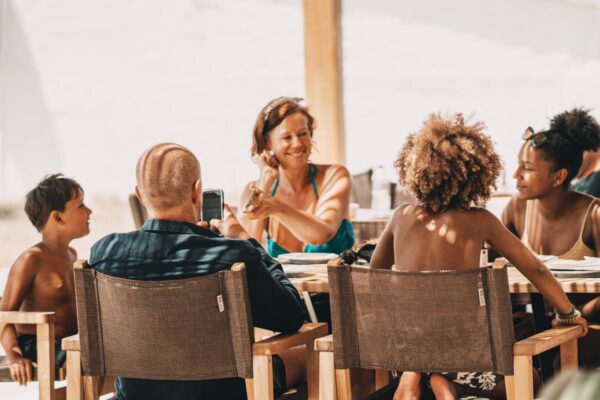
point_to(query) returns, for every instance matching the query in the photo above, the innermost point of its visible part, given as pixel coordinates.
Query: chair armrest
(546, 340)
(26, 317)
(71, 343)
(324, 343)
(278, 343)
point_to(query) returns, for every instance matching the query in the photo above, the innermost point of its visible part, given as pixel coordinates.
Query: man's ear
(197, 193)
(55, 217)
(137, 194)
(560, 176)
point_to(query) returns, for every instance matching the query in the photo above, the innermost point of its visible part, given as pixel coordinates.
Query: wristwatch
(567, 318)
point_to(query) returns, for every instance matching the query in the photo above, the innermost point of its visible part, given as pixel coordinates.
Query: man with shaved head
(171, 245)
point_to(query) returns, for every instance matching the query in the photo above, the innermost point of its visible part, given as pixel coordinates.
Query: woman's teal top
(343, 239)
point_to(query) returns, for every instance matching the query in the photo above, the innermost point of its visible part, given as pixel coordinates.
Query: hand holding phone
(212, 204)
(229, 226)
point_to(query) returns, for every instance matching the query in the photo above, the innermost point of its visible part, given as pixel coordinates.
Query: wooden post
(45, 360)
(74, 379)
(568, 355)
(312, 371)
(523, 378)
(323, 76)
(263, 377)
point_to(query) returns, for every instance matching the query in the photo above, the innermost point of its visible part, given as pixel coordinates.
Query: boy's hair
(449, 164)
(52, 193)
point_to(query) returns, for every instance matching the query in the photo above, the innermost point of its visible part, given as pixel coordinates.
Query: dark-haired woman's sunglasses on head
(537, 139)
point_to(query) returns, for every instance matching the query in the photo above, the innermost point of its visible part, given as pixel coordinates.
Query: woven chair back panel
(435, 322)
(165, 329)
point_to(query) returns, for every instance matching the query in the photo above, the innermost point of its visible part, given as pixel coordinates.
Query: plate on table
(307, 258)
(575, 273)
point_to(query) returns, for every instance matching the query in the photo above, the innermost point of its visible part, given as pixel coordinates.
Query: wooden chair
(202, 326)
(45, 373)
(138, 211)
(449, 321)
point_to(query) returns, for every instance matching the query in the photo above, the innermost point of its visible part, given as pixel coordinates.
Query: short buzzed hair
(51, 194)
(166, 174)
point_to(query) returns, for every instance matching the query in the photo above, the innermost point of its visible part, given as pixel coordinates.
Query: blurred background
(87, 86)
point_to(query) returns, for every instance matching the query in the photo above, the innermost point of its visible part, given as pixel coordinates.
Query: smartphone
(212, 204)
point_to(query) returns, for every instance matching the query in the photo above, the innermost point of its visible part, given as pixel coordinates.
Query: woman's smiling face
(291, 141)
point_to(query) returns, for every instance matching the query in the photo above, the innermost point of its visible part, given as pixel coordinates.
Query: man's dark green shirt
(163, 250)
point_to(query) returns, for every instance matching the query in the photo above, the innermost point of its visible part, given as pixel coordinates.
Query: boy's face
(76, 217)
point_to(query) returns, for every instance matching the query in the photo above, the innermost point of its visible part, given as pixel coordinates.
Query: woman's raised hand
(268, 164)
(260, 205)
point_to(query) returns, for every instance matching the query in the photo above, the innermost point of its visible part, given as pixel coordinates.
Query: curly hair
(449, 164)
(570, 134)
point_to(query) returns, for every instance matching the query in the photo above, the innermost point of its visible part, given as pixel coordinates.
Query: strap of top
(525, 236)
(586, 218)
(312, 172)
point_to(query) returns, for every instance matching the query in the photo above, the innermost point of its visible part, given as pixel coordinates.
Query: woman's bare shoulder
(332, 170)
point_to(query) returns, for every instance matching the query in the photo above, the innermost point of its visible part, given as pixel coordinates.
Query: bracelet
(568, 318)
(567, 315)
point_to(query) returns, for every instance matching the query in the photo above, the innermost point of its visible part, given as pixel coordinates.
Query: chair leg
(263, 377)
(327, 376)
(108, 385)
(523, 378)
(343, 384)
(250, 389)
(509, 384)
(45, 362)
(74, 388)
(312, 371)
(568, 355)
(382, 378)
(90, 388)
(60, 393)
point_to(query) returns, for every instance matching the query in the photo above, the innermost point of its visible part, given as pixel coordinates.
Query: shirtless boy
(41, 279)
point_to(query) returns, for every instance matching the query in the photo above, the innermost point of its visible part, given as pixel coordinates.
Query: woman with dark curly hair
(450, 167)
(547, 214)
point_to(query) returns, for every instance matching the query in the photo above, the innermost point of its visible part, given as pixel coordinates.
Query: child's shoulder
(30, 259)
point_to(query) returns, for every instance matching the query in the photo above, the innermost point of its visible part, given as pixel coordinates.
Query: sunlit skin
(295, 217)
(451, 240)
(556, 225)
(41, 279)
(558, 214)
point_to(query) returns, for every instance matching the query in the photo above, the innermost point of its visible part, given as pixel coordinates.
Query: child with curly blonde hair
(450, 166)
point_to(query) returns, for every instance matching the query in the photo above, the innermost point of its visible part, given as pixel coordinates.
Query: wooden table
(315, 280)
